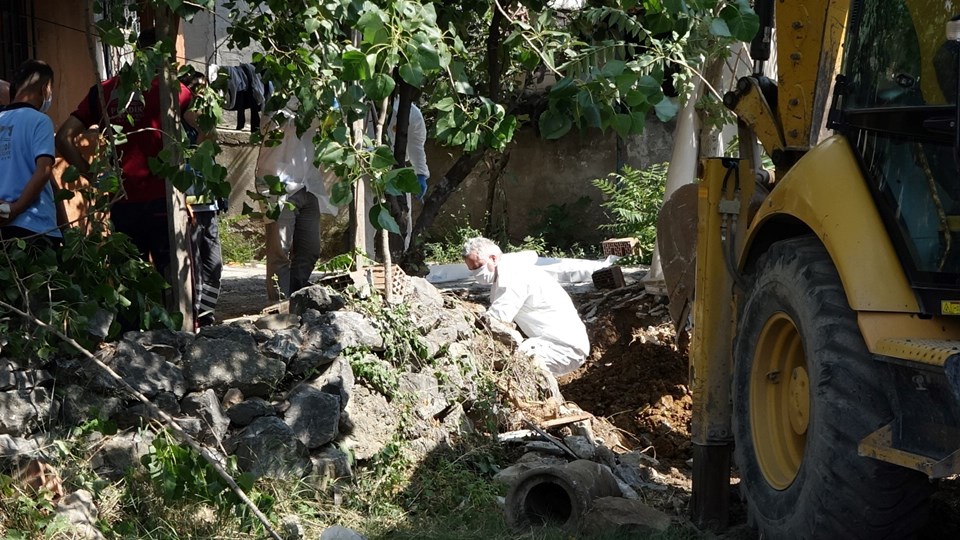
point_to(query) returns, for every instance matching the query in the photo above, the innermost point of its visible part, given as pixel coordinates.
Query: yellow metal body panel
(713, 312)
(809, 35)
(753, 109)
(878, 327)
(826, 191)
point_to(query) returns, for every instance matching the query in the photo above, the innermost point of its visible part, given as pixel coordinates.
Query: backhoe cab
(826, 345)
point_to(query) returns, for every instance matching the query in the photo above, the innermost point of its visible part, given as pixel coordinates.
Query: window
(17, 35)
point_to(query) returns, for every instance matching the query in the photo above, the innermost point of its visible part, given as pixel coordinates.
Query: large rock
(13, 375)
(206, 407)
(244, 413)
(458, 374)
(337, 379)
(221, 364)
(328, 335)
(369, 423)
(269, 448)
(13, 448)
(80, 514)
(138, 414)
(145, 371)
(80, 405)
(315, 297)
(625, 517)
(25, 411)
(330, 465)
(426, 304)
(313, 415)
(119, 453)
(285, 344)
(245, 332)
(424, 391)
(171, 338)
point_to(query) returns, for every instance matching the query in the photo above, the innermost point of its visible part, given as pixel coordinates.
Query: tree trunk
(178, 270)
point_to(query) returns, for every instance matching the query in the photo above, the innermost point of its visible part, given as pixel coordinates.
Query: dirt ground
(635, 378)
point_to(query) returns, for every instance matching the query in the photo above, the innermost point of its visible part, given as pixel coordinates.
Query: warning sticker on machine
(950, 307)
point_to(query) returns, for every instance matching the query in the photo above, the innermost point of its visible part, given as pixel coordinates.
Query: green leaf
(342, 193)
(554, 125)
(639, 122)
(328, 152)
(400, 181)
(371, 24)
(564, 89)
(111, 35)
(742, 21)
(379, 86)
(719, 28)
(613, 68)
(621, 124)
(635, 98)
(382, 158)
(649, 86)
(355, 66)
(380, 218)
(666, 109)
(413, 74)
(429, 59)
(311, 25)
(675, 6)
(446, 104)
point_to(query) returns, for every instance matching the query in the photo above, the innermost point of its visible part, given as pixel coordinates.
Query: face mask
(484, 275)
(46, 104)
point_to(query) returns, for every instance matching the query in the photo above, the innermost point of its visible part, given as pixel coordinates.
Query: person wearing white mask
(27, 206)
(523, 294)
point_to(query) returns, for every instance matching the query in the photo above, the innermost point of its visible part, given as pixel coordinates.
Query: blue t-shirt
(25, 135)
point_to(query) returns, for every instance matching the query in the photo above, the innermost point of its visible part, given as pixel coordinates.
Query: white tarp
(563, 270)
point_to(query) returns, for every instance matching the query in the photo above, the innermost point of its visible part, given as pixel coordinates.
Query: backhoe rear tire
(806, 391)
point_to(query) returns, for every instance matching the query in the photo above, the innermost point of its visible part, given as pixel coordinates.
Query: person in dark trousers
(205, 229)
(141, 212)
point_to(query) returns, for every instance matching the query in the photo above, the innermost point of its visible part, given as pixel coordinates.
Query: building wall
(540, 173)
(62, 43)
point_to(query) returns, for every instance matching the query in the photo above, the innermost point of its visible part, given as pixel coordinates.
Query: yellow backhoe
(825, 355)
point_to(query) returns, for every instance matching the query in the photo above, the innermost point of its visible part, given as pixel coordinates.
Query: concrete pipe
(558, 495)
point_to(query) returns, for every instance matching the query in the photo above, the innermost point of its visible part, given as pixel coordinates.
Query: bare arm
(34, 186)
(67, 135)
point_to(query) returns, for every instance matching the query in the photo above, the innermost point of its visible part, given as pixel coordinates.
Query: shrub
(633, 200)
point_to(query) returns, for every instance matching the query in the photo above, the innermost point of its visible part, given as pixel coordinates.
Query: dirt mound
(636, 375)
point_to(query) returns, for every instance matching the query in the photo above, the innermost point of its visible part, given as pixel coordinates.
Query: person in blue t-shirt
(27, 207)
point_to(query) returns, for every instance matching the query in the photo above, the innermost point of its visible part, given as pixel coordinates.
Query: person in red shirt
(141, 211)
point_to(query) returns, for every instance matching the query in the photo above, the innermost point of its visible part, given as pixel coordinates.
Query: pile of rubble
(279, 393)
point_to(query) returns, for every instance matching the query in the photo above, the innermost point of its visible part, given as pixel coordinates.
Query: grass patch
(241, 239)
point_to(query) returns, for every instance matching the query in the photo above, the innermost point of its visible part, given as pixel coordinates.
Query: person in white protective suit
(523, 294)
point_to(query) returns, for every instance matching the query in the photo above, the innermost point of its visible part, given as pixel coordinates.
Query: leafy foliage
(91, 289)
(633, 200)
(179, 473)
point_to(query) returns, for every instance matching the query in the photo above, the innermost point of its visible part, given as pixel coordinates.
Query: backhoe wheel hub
(780, 401)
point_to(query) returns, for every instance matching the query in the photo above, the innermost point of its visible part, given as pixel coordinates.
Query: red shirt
(144, 136)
